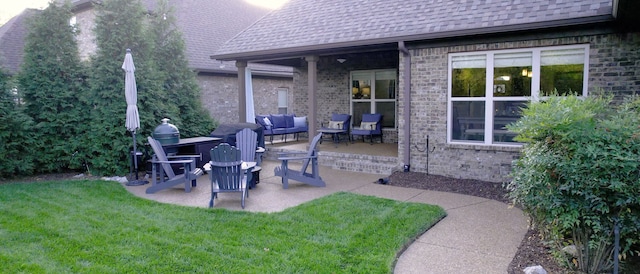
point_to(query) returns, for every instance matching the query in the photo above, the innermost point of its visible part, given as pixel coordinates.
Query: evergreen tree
(120, 26)
(178, 79)
(50, 81)
(16, 133)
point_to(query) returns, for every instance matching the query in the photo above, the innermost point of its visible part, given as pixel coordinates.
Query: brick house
(205, 25)
(448, 73)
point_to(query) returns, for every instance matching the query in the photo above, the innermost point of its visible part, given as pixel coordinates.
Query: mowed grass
(98, 227)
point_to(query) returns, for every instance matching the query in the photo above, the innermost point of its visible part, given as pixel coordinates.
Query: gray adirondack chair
(310, 157)
(226, 173)
(247, 142)
(164, 177)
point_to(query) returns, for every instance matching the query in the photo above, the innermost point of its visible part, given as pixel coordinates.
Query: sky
(11, 8)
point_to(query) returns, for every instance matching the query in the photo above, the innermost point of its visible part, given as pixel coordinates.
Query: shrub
(16, 133)
(579, 173)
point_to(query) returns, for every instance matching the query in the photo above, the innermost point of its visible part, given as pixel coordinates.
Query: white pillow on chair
(336, 124)
(368, 125)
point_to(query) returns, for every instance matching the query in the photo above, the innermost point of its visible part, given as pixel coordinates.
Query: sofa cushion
(300, 121)
(279, 121)
(288, 119)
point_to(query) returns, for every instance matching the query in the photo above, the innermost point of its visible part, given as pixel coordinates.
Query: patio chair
(164, 177)
(341, 122)
(371, 126)
(227, 174)
(301, 175)
(247, 142)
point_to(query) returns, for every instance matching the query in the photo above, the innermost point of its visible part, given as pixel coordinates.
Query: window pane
(468, 121)
(561, 71)
(359, 108)
(361, 85)
(468, 76)
(512, 75)
(388, 111)
(505, 113)
(385, 85)
(385, 89)
(283, 100)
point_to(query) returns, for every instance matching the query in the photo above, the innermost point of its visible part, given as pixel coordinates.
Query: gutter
(406, 79)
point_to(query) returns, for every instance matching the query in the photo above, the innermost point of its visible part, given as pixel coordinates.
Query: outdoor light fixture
(341, 60)
(525, 72)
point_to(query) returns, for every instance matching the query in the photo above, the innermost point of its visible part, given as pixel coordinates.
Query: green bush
(580, 172)
(51, 79)
(16, 133)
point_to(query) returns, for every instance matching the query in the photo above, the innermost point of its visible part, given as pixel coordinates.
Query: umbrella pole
(136, 182)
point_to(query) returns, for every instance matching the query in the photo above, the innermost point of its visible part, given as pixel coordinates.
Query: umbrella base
(137, 183)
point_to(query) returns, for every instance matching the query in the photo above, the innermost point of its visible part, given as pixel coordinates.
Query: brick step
(351, 162)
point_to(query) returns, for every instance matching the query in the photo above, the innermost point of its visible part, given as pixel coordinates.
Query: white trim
(489, 99)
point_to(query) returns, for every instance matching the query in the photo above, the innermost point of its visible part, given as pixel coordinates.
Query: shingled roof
(311, 25)
(12, 35)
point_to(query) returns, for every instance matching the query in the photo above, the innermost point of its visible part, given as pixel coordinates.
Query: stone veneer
(614, 62)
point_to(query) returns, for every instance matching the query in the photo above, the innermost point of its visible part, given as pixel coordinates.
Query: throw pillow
(267, 121)
(368, 125)
(300, 121)
(336, 124)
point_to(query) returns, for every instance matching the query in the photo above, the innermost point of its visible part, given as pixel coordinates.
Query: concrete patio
(478, 235)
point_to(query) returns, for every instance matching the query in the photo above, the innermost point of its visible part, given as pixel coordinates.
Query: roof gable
(314, 23)
(12, 35)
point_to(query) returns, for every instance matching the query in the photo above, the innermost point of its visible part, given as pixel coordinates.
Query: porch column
(312, 70)
(242, 89)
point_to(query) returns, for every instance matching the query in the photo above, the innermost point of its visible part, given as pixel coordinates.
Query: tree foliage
(16, 133)
(177, 78)
(78, 108)
(579, 173)
(120, 26)
(50, 81)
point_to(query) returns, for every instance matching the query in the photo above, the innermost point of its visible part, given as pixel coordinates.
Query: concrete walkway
(477, 236)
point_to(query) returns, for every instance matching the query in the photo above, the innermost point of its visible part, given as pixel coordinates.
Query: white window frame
(372, 99)
(489, 99)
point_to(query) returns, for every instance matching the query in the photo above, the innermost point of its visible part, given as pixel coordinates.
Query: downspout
(406, 78)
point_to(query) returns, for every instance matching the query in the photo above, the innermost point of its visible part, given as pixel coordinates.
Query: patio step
(373, 164)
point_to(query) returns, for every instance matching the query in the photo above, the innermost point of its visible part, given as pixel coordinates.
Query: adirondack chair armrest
(285, 154)
(297, 158)
(182, 156)
(172, 162)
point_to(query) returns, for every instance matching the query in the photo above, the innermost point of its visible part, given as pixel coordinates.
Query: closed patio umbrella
(133, 120)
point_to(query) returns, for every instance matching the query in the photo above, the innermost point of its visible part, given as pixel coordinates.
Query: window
(374, 91)
(488, 89)
(283, 100)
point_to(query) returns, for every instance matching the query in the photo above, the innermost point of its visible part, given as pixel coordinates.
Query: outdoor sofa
(282, 124)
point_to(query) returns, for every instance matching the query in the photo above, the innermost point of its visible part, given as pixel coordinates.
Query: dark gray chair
(227, 174)
(247, 142)
(310, 157)
(164, 177)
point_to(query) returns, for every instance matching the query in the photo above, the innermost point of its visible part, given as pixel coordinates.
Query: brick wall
(86, 38)
(614, 61)
(219, 95)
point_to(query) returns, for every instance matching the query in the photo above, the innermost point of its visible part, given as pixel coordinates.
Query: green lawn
(98, 227)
